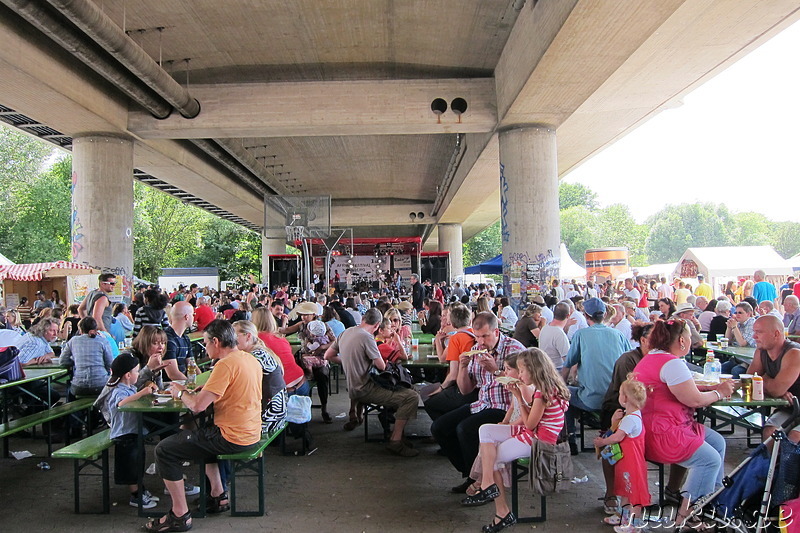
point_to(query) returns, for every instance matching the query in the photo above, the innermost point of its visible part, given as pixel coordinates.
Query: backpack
(10, 366)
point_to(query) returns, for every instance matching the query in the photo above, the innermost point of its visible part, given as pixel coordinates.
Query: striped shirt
(491, 394)
(549, 426)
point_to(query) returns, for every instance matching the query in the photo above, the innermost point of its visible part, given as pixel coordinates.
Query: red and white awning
(38, 271)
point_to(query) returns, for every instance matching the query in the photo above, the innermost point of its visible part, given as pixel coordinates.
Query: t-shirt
(178, 348)
(633, 293)
(681, 296)
(508, 317)
(236, 380)
(704, 289)
(764, 290)
(462, 341)
(522, 331)
(357, 349)
(121, 422)
(291, 370)
(631, 424)
(203, 316)
(554, 342)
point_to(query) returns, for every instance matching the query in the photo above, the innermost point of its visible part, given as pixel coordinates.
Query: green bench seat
(519, 469)
(722, 416)
(37, 419)
(251, 460)
(91, 452)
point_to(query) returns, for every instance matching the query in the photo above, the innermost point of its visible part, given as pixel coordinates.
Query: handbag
(298, 409)
(10, 365)
(551, 466)
(393, 377)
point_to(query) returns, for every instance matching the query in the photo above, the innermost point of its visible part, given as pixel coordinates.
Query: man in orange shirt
(235, 390)
(448, 397)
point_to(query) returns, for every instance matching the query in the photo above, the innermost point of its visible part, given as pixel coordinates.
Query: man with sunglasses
(97, 303)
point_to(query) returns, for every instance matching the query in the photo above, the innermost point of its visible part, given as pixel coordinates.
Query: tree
(236, 251)
(483, 246)
(785, 238)
(575, 194)
(165, 231)
(616, 227)
(579, 231)
(676, 228)
(752, 229)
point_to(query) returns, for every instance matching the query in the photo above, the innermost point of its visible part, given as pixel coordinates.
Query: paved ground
(345, 486)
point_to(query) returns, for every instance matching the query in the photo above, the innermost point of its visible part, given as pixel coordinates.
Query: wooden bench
(519, 469)
(91, 452)
(43, 417)
(252, 460)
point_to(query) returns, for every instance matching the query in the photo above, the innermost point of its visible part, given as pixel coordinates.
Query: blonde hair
(543, 373)
(634, 390)
(392, 313)
(245, 326)
(483, 305)
(264, 321)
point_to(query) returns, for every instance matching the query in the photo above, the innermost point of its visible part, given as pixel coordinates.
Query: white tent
(725, 263)
(795, 262)
(569, 269)
(5, 260)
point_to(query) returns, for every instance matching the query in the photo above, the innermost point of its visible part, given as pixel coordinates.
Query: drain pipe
(452, 168)
(97, 25)
(84, 50)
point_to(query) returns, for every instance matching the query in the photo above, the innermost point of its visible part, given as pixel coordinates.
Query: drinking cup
(723, 342)
(747, 386)
(723, 378)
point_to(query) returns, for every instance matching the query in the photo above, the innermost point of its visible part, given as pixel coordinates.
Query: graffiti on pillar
(505, 232)
(526, 276)
(75, 223)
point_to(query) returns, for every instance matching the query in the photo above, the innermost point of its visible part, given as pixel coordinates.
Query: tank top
(771, 368)
(92, 299)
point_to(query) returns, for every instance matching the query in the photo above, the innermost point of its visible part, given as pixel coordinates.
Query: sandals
(352, 424)
(505, 521)
(482, 497)
(474, 489)
(170, 522)
(214, 504)
(610, 505)
(612, 520)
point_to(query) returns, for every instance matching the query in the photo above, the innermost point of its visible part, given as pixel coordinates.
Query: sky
(734, 141)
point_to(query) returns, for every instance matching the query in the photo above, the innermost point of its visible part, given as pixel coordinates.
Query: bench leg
(517, 473)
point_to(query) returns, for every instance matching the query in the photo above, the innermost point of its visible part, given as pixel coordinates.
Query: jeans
(706, 467)
(575, 405)
(457, 434)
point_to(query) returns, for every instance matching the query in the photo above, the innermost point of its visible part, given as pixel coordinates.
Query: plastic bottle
(716, 370)
(758, 388)
(708, 368)
(192, 371)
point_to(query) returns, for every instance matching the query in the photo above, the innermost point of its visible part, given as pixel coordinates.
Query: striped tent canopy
(38, 271)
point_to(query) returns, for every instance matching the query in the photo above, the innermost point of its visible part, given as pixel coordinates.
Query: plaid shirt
(491, 394)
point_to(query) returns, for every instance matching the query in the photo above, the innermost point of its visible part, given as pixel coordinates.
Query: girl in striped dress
(542, 418)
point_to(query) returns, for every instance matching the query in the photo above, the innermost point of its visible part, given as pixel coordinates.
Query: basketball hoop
(295, 233)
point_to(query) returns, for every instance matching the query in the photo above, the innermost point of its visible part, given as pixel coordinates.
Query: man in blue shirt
(764, 290)
(179, 347)
(595, 350)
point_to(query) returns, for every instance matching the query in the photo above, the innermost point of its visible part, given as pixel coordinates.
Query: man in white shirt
(547, 313)
(630, 291)
(577, 319)
(558, 289)
(621, 322)
(552, 339)
(665, 290)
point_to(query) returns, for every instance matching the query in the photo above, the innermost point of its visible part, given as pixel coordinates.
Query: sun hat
(307, 308)
(405, 306)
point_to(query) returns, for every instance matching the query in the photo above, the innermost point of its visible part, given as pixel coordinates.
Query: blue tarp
(492, 266)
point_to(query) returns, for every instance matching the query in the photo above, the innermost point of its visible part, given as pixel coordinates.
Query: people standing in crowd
(764, 290)
(97, 303)
(703, 288)
(417, 292)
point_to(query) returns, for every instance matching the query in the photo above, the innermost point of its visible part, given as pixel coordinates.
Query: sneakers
(188, 489)
(397, 447)
(148, 500)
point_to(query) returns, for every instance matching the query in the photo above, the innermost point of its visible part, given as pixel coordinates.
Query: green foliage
(579, 231)
(483, 246)
(676, 228)
(785, 238)
(236, 251)
(575, 194)
(753, 229)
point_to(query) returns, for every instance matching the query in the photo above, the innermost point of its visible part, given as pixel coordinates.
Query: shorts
(781, 417)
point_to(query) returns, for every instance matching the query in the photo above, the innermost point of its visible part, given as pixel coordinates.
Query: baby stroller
(751, 495)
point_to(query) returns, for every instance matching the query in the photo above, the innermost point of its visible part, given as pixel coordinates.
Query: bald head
(768, 332)
(181, 316)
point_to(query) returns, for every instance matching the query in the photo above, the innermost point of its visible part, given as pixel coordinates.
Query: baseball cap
(122, 364)
(592, 306)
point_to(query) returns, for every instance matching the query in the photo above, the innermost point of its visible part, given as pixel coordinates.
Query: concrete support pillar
(102, 206)
(531, 229)
(450, 241)
(269, 247)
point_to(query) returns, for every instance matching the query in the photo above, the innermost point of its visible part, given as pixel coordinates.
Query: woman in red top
(268, 332)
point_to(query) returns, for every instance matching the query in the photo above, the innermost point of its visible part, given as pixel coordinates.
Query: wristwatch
(497, 373)
(181, 393)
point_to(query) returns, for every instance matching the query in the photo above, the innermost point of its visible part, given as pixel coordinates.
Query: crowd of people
(618, 350)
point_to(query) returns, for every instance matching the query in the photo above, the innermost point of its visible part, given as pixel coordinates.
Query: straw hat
(307, 308)
(405, 306)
